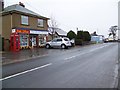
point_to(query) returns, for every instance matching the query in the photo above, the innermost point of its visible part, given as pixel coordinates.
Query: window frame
(41, 21)
(24, 20)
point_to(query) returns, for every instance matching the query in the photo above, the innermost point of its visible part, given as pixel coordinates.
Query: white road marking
(115, 81)
(74, 56)
(85, 53)
(25, 72)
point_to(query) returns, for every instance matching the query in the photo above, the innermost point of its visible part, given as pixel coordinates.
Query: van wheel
(63, 46)
(47, 46)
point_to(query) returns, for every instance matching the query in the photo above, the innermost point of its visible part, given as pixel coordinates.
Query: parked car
(72, 42)
(59, 42)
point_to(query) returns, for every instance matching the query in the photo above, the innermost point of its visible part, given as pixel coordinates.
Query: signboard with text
(23, 31)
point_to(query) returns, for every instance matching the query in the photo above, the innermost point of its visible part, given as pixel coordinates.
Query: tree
(82, 37)
(112, 31)
(79, 38)
(71, 35)
(79, 35)
(86, 36)
(53, 25)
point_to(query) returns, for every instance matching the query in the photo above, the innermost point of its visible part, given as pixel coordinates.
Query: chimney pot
(21, 4)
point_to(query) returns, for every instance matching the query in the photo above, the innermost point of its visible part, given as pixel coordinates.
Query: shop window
(42, 40)
(24, 20)
(24, 40)
(40, 22)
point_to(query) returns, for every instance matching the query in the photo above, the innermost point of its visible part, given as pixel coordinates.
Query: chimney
(21, 4)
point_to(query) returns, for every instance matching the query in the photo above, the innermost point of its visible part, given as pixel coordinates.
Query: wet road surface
(80, 67)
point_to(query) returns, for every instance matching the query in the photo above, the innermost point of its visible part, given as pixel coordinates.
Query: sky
(86, 15)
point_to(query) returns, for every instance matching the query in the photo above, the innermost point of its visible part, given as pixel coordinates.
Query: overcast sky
(90, 15)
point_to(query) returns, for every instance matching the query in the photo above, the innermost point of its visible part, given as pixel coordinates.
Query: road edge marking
(27, 71)
(86, 52)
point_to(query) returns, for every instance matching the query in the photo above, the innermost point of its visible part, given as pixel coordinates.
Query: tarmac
(23, 55)
(10, 57)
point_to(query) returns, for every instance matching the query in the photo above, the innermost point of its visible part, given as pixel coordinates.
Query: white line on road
(85, 52)
(25, 72)
(73, 56)
(115, 81)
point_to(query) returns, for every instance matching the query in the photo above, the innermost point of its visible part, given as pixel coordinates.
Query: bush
(86, 36)
(79, 35)
(71, 35)
(78, 42)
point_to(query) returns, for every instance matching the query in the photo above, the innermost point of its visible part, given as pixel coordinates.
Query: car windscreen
(66, 39)
(59, 40)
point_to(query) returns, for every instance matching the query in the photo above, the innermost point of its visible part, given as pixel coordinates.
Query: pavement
(87, 67)
(23, 55)
(9, 57)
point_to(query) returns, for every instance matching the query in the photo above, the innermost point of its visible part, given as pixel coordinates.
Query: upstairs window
(40, 23)
(24, 20)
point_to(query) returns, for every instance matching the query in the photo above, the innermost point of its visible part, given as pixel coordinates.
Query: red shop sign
(23, 31)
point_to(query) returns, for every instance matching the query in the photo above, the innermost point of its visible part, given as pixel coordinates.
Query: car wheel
(47, 46)
(63, 46)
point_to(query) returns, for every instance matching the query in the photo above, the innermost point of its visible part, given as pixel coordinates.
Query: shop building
(27, 27)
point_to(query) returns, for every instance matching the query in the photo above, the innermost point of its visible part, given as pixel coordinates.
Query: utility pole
(77, 29)
(97, 31)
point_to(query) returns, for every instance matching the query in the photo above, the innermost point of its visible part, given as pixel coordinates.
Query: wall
(119, 45)
(32, 22)
(6, 26)
(119, 26)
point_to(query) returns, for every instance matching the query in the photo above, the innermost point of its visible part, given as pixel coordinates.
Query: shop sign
(38, 32)
(23, 31)
(13, 30)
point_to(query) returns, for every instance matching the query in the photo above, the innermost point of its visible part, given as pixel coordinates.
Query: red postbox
(14, 42)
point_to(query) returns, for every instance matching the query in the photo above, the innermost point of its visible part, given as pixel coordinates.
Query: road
(93, 66)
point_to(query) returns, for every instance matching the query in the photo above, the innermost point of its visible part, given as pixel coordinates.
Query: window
(66, 39)
(24, 20)
(40, 22)
(24, 40)
(54, 40)
(59, 40)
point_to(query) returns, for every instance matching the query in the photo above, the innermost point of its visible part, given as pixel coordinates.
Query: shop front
(31, 38)
(38, 38)
(24, 38)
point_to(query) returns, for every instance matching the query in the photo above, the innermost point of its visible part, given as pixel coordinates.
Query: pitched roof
(58, 31)
(18, 8)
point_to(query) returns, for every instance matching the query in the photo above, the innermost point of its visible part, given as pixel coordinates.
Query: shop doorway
(33, 40)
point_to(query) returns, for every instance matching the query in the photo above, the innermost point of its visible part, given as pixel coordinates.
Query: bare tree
(53, 25)
(113, 31)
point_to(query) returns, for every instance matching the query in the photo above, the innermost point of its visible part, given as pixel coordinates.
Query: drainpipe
(11, 20)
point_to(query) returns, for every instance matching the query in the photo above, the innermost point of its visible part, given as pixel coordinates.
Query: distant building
(97, 38)
(31, 27)
(56, 32)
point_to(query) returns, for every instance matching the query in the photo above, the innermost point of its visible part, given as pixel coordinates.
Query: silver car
(59, 42)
